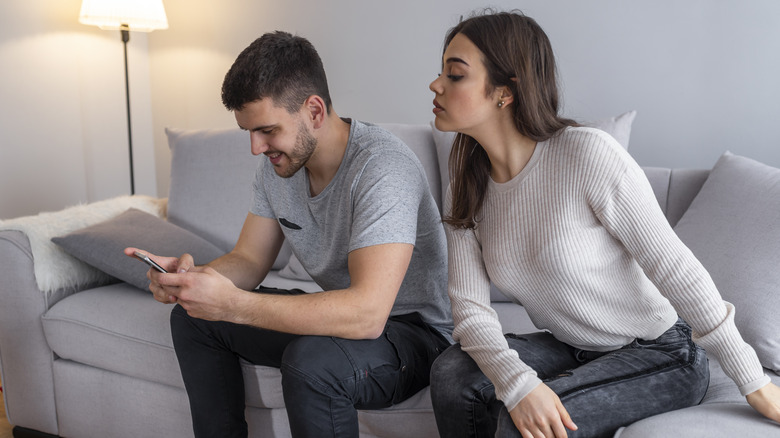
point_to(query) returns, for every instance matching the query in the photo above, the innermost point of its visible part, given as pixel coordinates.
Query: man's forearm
(357, 312)
(244, 273)
(344, 313)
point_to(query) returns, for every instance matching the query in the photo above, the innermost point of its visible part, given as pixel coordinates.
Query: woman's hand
(541, 414)
(766, 401)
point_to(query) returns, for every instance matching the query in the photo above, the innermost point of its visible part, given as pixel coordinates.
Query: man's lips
(274, 157)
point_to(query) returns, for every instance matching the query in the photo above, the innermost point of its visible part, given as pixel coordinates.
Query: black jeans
(601, 391)
(324, 379)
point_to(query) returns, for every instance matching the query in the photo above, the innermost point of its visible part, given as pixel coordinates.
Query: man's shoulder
(374, 143)
(375, 139)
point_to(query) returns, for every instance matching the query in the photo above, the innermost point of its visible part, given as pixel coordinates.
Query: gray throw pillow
(101, 245)
(733, 227)
(618, 127)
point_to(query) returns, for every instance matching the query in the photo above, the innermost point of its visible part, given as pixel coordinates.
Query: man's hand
(766, 401)
(202, 291)
(170, 264)
(541, 414)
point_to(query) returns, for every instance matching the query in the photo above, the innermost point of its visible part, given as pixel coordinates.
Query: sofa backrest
(212, 172)
(675, 189)
(211, 182)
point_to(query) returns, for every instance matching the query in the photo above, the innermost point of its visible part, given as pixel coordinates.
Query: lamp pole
(140, 15)
(125, 31)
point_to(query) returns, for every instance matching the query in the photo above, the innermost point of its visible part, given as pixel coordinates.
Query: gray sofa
(85, 355)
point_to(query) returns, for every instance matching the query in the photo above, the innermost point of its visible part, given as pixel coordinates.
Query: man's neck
(332, 141)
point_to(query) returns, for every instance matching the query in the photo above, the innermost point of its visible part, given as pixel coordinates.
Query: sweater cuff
(754, 385)
(737, 358)
(512, 397)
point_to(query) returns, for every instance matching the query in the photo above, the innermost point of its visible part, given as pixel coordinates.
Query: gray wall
(702, 76)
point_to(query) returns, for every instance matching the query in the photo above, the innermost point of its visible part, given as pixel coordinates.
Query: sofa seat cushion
(722, 412)
(118, 328)
(703, 421)
(122, 329)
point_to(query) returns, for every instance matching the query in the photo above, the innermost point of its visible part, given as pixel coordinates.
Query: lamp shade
(137, 15)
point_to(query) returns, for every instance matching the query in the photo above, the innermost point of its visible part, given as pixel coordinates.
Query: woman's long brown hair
(518, 55)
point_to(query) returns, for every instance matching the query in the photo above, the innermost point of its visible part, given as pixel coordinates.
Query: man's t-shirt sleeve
(260, 203)
(386, 199)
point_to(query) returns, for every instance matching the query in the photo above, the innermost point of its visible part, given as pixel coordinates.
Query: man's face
(279, 135)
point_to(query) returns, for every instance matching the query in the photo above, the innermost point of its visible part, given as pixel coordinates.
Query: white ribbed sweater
(578, 238)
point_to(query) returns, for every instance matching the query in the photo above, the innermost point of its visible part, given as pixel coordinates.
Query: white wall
(63, 126)
(702, 75)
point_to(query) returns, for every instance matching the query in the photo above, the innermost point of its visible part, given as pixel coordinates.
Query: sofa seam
(103, 331)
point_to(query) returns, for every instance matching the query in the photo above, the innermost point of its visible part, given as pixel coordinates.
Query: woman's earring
(500, 104)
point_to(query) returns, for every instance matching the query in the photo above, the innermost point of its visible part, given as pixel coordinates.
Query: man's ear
(316, 110)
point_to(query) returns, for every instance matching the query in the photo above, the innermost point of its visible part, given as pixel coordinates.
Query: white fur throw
(56, 269)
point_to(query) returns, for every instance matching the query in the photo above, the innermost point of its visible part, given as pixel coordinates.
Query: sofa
(85, 351)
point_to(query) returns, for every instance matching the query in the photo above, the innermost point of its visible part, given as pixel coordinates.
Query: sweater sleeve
(477, 327)
(631, 214)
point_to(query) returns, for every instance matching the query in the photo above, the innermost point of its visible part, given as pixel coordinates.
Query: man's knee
(179, 320)
(318, 357)
(316, 363)
(186, 329)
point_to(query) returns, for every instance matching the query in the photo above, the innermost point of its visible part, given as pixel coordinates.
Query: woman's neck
(508, 150)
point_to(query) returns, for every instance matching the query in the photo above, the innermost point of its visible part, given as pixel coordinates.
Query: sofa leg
(23, 432)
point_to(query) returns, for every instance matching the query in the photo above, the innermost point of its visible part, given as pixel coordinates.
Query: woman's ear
(505, 96)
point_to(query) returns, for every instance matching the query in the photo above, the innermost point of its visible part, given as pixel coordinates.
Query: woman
(562, 219)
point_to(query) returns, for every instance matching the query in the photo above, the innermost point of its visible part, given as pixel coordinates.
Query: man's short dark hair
(278, 65)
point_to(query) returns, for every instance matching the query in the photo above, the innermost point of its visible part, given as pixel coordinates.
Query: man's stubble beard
(305, 144)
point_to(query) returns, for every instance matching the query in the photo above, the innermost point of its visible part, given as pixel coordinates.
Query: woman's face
(461, 103)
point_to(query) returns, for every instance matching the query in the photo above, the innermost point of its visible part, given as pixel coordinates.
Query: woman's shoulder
(586, 136)
(585, 143)
(588, 152)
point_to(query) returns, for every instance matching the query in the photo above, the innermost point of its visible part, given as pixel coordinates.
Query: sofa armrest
(25, 357)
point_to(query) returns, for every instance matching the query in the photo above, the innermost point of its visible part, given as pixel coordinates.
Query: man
(354, 204)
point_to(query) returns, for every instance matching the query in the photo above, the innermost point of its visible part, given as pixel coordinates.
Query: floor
(5, 426)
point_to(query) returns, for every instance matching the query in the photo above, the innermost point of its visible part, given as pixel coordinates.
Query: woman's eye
(455, 78)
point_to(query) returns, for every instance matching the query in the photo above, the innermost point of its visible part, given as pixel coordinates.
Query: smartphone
(144, 258)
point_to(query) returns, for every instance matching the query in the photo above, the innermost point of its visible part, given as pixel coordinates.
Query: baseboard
(23, 432)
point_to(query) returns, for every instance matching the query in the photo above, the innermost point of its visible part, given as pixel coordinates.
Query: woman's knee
(455, 372)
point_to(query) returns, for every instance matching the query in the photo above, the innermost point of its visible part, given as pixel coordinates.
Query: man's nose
(259, 144)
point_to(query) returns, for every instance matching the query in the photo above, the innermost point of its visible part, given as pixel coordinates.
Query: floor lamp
(125, 15)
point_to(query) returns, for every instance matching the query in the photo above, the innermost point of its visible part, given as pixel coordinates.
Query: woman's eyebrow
(453, 59)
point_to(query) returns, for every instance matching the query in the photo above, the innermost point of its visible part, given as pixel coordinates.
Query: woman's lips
(436, 107)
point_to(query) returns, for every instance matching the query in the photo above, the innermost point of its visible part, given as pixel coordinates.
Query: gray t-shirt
(379, 195)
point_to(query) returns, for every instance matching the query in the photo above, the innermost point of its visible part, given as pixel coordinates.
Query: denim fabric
(602, 391)
(324, 379)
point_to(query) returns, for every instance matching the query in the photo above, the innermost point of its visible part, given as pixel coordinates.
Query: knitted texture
(578, 238)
